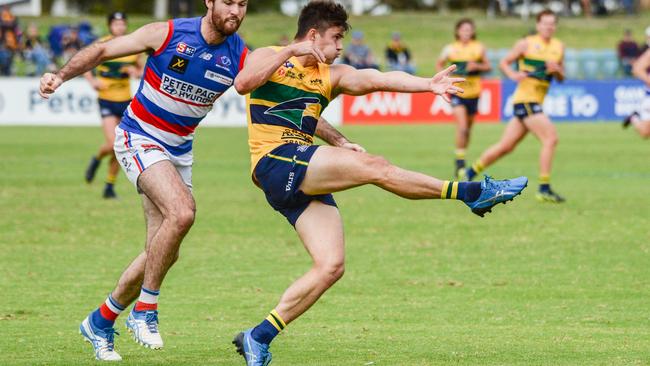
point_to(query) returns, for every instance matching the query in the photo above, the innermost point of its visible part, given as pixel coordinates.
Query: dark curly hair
(460, 24)
(321, 15)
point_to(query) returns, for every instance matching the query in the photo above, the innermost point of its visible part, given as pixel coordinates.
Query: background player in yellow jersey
(540, 59)
(641, 118)
(111, 80)
(468, 55)
(289, 88)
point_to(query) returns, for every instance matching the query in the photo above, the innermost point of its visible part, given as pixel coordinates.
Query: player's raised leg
(321, 231)
(542, 127)
(164, 187)
(333, 169)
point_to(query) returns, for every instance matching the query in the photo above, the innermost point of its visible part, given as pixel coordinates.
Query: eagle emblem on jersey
(293, 110)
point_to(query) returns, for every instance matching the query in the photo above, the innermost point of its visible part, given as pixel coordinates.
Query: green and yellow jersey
(113, 75)
(460, 54)
(287, 107)
(533, 88)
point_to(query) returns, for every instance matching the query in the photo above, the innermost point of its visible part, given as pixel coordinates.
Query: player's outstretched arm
(260, 65)
(348, 80)
(326, 132)
(512, 56)
(640, 67)
(147, 38)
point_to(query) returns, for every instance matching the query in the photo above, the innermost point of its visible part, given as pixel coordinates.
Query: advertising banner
(406, 108)
(75, 104)
(585, 100)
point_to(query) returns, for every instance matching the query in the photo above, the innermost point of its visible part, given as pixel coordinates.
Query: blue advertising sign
(584, 100)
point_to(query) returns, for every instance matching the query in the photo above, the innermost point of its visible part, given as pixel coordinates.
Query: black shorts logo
(178, 64)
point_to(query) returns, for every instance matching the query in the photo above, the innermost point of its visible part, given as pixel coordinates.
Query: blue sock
(104, 317)
(464, 191)
(471, 173)
(264, 332)
(268, 328)
(468, 191)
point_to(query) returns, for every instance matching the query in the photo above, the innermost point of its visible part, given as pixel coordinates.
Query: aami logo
(183, 48)
(382, 103)
(293, 111)
(188, 92)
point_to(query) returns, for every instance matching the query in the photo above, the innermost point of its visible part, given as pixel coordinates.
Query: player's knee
(506, 148)
(378, 168)
(331, 272)
(184, 217)
(552, 140)
(464, 132)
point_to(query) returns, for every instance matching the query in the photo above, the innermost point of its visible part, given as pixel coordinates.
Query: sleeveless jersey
(287, 107)
(113, 75)
(460, 54)
(533, 88)
(182, 80)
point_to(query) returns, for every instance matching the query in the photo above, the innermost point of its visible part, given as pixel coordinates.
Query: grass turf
(427, 282)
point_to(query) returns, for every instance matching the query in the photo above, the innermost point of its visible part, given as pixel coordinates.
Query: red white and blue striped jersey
(181, 82)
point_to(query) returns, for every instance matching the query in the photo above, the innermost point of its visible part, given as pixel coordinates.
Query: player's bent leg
(462, 135)
(542, 127)
(165, 189)
(321, 231)
(515, 131)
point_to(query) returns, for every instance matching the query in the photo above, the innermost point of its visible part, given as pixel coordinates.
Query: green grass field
(427, 282)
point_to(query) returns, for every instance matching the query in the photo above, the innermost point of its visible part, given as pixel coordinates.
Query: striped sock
(268, 328)
(544, 183)
(464, 191)
(460, 158)
(476, 168)
(104, 317)
(148, 300)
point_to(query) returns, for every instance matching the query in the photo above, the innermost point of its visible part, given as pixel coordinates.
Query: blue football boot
(255, 354)
(494, 192)
(101, 339)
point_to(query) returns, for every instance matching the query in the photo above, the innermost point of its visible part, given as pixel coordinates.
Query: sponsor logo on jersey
(205, 56)
(288, 65)
(223, 62)
(178, 64)
(184, 49)
(187, 91)
(151, 147)
(216, 77)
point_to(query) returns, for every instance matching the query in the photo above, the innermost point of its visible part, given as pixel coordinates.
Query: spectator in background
(358, 54)
(35, 52)
(398, 55)
(71, 43)
(9, 40)
(628, 51)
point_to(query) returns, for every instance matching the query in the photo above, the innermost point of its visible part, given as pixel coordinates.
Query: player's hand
(49, 83)
(132, 71)
(472, 66)
(553, 67)
(306, 48)
(352, 146)
(98, 84)
(518, 76)
(443, 85)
